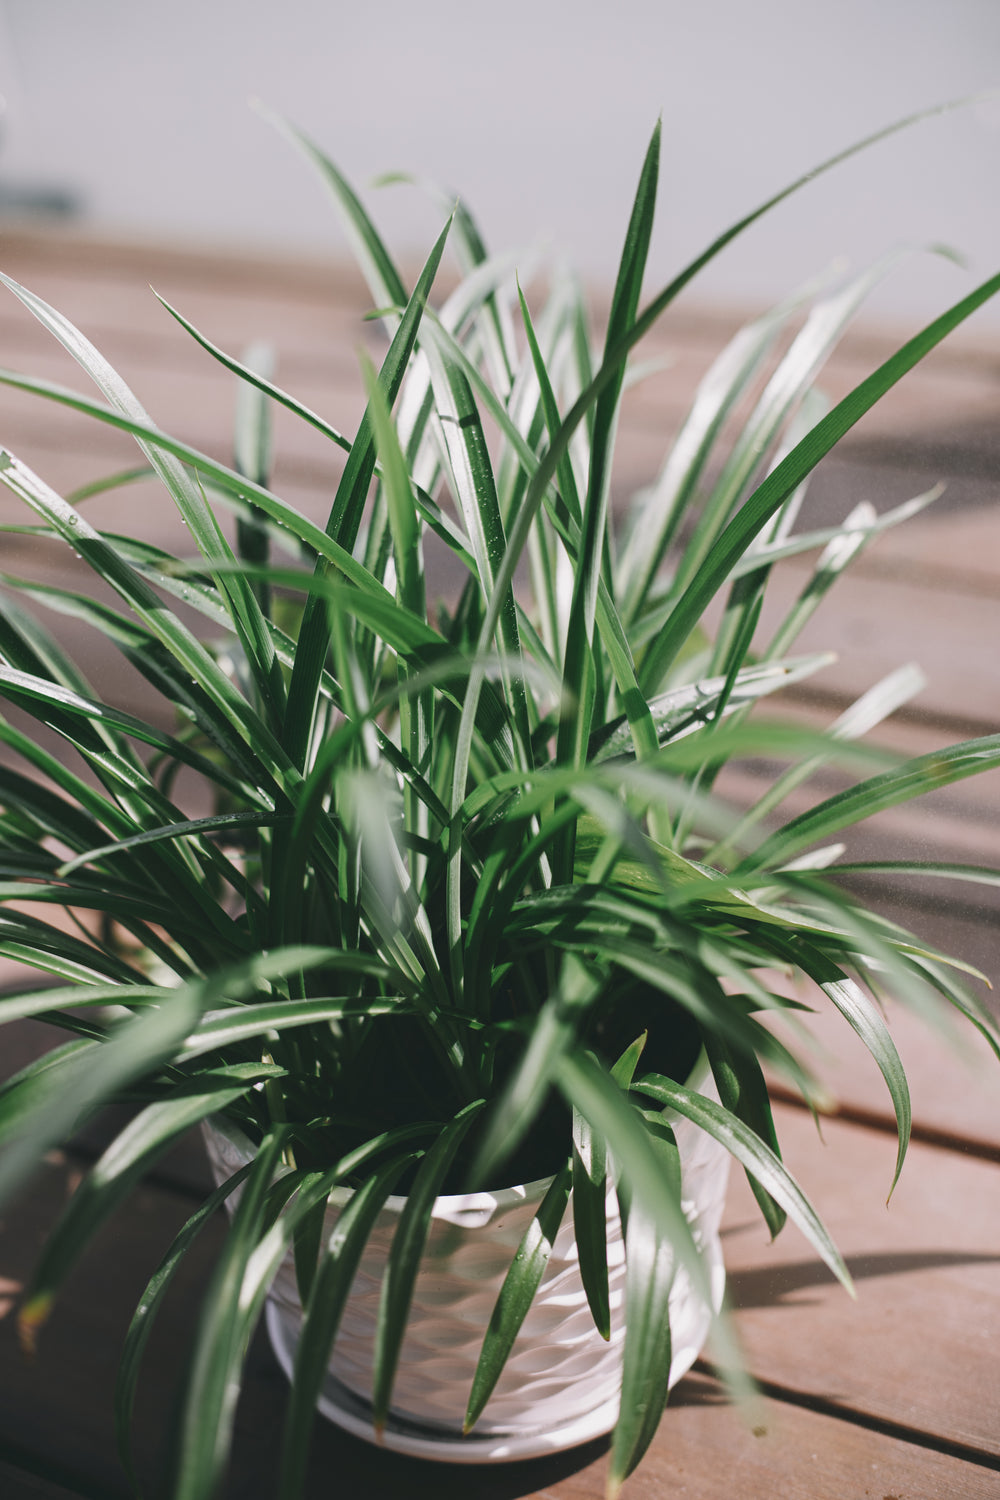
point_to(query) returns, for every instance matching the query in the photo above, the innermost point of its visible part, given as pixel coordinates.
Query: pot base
(352, 1412)
(346, 1409)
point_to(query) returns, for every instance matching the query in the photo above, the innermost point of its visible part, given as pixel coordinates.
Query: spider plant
(422, 894)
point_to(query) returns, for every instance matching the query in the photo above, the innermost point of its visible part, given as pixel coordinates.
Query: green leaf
(259, 381)
(252, 445)
(588, 1088)
(416, 712)
(578, 675)
(565, 475)
(109, 482)
(331, 1286)
(135, 1149)
(552, 1034)
(223, 1028)
(753, 1154)
(383, 279)
(590, 1194)
(691, 706)
(403, 1264)
(566, 523)
(650, 1268)
(213, 1384)
(924, 773)
(590, 1191)
(474, 487)
(781, 482)
(147, 1309)
(517, 1293)
(743, 1091)
(345, 516)
(979, 874)
(189, 828)
(660, 512)
(82, 1080)
(862, 716)
(866, 1019)
(189, 498)
(36, 1002)
(472, 254)
(794, 376)
(232, 709)
(307, 1245)
(19, 478)
(22, 685)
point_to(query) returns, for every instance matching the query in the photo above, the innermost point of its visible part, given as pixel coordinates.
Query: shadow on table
(770, 1286)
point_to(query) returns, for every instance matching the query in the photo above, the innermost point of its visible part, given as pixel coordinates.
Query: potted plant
(408, 900)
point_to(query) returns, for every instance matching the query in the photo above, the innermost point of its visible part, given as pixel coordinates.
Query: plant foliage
(420, 894)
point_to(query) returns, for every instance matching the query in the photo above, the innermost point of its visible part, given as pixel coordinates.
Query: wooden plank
(705, 1451)
(935, 1377)
(954, 544)
(119, 258)
(188, 394)
(59, 1404)
(956, 383)
(193, 401)
(954, 1078)
(702, 1444)
(17, 1483)
(918, 1347)
(313, 310)
(875, 628)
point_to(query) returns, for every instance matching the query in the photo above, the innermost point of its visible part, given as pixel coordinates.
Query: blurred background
(134, 116)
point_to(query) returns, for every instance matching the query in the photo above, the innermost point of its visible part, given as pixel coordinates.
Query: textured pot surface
(560, 1385)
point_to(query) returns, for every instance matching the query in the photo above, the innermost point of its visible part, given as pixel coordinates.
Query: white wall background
(537, 110)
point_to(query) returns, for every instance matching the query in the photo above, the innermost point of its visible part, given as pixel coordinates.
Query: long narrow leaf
(143, 1141)
(517, 1293)
(190, 500)
(212, 1389)
(345, 516)
(85, 1079)
(331, 1286)
(404, 1259)
(915, 777)
(752, 1153)
(574, 727)
(779, 484)
(148, 1307)
(650, 1269)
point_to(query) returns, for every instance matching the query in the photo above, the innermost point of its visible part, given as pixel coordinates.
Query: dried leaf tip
(30, 1319)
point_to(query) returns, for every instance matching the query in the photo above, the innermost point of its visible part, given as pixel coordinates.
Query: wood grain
(895, 1398)
(918, 1346)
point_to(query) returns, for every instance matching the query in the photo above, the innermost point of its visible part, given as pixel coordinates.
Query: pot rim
(447, 1204)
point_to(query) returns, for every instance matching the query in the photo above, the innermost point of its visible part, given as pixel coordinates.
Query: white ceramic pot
(560, 1385)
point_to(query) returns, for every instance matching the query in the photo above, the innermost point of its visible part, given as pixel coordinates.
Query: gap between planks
(841, 1412)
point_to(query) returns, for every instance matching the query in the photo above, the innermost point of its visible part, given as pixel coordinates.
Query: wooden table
(895, 1396)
